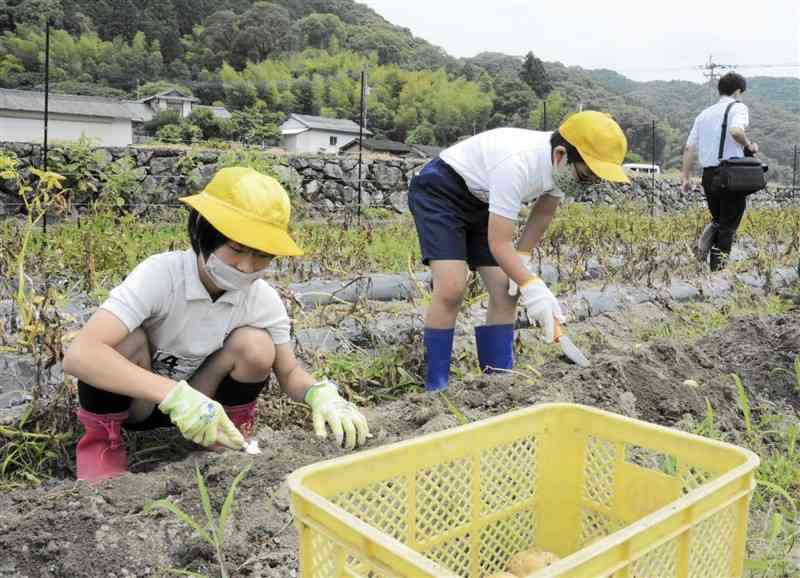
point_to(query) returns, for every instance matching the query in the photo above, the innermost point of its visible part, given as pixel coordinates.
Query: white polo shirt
(505, 167)
(165, 296)
(707, 127)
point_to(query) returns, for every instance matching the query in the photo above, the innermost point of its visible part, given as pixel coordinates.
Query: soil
(66, 528)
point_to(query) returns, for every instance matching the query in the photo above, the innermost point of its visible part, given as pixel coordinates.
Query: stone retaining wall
(324, 184)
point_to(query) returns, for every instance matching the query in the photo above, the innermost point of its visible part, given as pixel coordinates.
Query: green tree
(256, 124)
(557, 110)
(317, 30)
(534, 75)
(217, 35)
(162, 119)
(263, 30)
(210, 126)
(513, 98)
(171, 133)
(422, 134)
(303, 91)
(391, 47)
(37, 12)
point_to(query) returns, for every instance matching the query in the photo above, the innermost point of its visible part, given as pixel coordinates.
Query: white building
(305, 133)
(107, 121)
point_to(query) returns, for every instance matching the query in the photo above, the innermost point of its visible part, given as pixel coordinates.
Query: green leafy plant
(795, 374)
(38, 200)
(744, 403)
(213, 530)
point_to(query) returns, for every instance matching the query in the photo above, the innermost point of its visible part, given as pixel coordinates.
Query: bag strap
(724, 129)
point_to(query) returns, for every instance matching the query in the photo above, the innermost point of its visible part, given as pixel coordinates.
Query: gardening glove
(526, 258)
(541, 305)
(347, 423)
(200, 418)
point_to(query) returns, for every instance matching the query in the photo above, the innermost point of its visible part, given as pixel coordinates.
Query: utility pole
(653, 169)
(710, 72)
(794, 170)
(544, 115)
(46, 106)
(361, 127)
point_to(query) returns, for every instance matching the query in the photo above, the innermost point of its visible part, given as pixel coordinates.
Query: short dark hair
(730, 83)
(204, 237)
(573, 156)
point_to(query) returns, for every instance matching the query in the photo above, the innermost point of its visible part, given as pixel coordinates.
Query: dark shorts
(155, 420)
(452, 224)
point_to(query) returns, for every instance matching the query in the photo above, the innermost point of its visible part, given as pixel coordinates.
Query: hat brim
(606, 170)
(237, 226)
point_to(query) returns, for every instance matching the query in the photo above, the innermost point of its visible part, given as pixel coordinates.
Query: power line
(710, 69)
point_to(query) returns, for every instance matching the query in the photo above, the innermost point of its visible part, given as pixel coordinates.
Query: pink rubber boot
(101, 453)
(243, 417)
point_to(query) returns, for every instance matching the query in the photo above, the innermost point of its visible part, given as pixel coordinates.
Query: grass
(795, 373)
(380, 375)
(774, 530)
(212, 530)
(621, 244)
(692, 321)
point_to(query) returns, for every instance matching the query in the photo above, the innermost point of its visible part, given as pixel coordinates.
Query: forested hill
(263, 60)
(774, 105)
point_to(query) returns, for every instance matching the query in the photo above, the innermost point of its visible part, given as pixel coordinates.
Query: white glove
(541, 306)
(200, 418)
(526, 260)
(347, 423)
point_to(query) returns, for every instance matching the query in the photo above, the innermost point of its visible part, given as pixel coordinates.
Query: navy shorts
(452, 224)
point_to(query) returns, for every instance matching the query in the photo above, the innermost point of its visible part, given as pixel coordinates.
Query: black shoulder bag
(739, 176)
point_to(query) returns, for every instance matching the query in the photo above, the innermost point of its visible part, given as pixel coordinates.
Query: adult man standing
(465, 206)
(704, 139)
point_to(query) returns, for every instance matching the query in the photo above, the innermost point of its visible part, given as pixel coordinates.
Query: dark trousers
(726, 210)
(100, 401)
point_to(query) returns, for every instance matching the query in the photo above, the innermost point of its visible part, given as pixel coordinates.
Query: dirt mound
(66, 528)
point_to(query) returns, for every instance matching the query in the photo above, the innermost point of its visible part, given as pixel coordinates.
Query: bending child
(191, 337)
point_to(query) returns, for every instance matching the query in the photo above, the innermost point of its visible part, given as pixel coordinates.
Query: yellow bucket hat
(249, 208)
(600, 141)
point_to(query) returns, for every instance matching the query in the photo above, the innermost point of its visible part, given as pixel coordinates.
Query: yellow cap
(600, 141)
(249, 208)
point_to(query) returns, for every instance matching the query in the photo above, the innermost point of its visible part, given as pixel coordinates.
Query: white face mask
(565, 181)
(230, 278)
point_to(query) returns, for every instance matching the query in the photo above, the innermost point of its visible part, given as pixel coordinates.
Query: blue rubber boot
(438, 351)
(495, 347)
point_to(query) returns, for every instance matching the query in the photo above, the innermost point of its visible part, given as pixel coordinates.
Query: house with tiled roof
(107, 121)
(314, 134)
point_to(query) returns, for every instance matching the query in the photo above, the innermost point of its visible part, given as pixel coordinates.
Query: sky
(643, 40)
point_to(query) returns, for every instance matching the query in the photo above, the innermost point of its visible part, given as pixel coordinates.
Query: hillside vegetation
(264, 60)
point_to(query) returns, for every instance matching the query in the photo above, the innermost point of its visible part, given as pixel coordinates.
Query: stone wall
(321, 184)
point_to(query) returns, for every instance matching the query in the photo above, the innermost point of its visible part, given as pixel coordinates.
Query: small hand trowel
(569, 348)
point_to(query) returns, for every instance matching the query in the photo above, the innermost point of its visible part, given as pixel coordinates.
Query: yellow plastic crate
(653, 502)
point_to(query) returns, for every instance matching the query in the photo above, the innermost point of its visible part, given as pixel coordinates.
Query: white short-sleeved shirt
(707, 128)
(165, 296)
(505, 167)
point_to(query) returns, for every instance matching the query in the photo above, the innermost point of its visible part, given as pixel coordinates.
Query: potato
(530, 561)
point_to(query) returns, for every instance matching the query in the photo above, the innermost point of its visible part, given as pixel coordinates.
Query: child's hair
(573, 156)
(204, 237)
